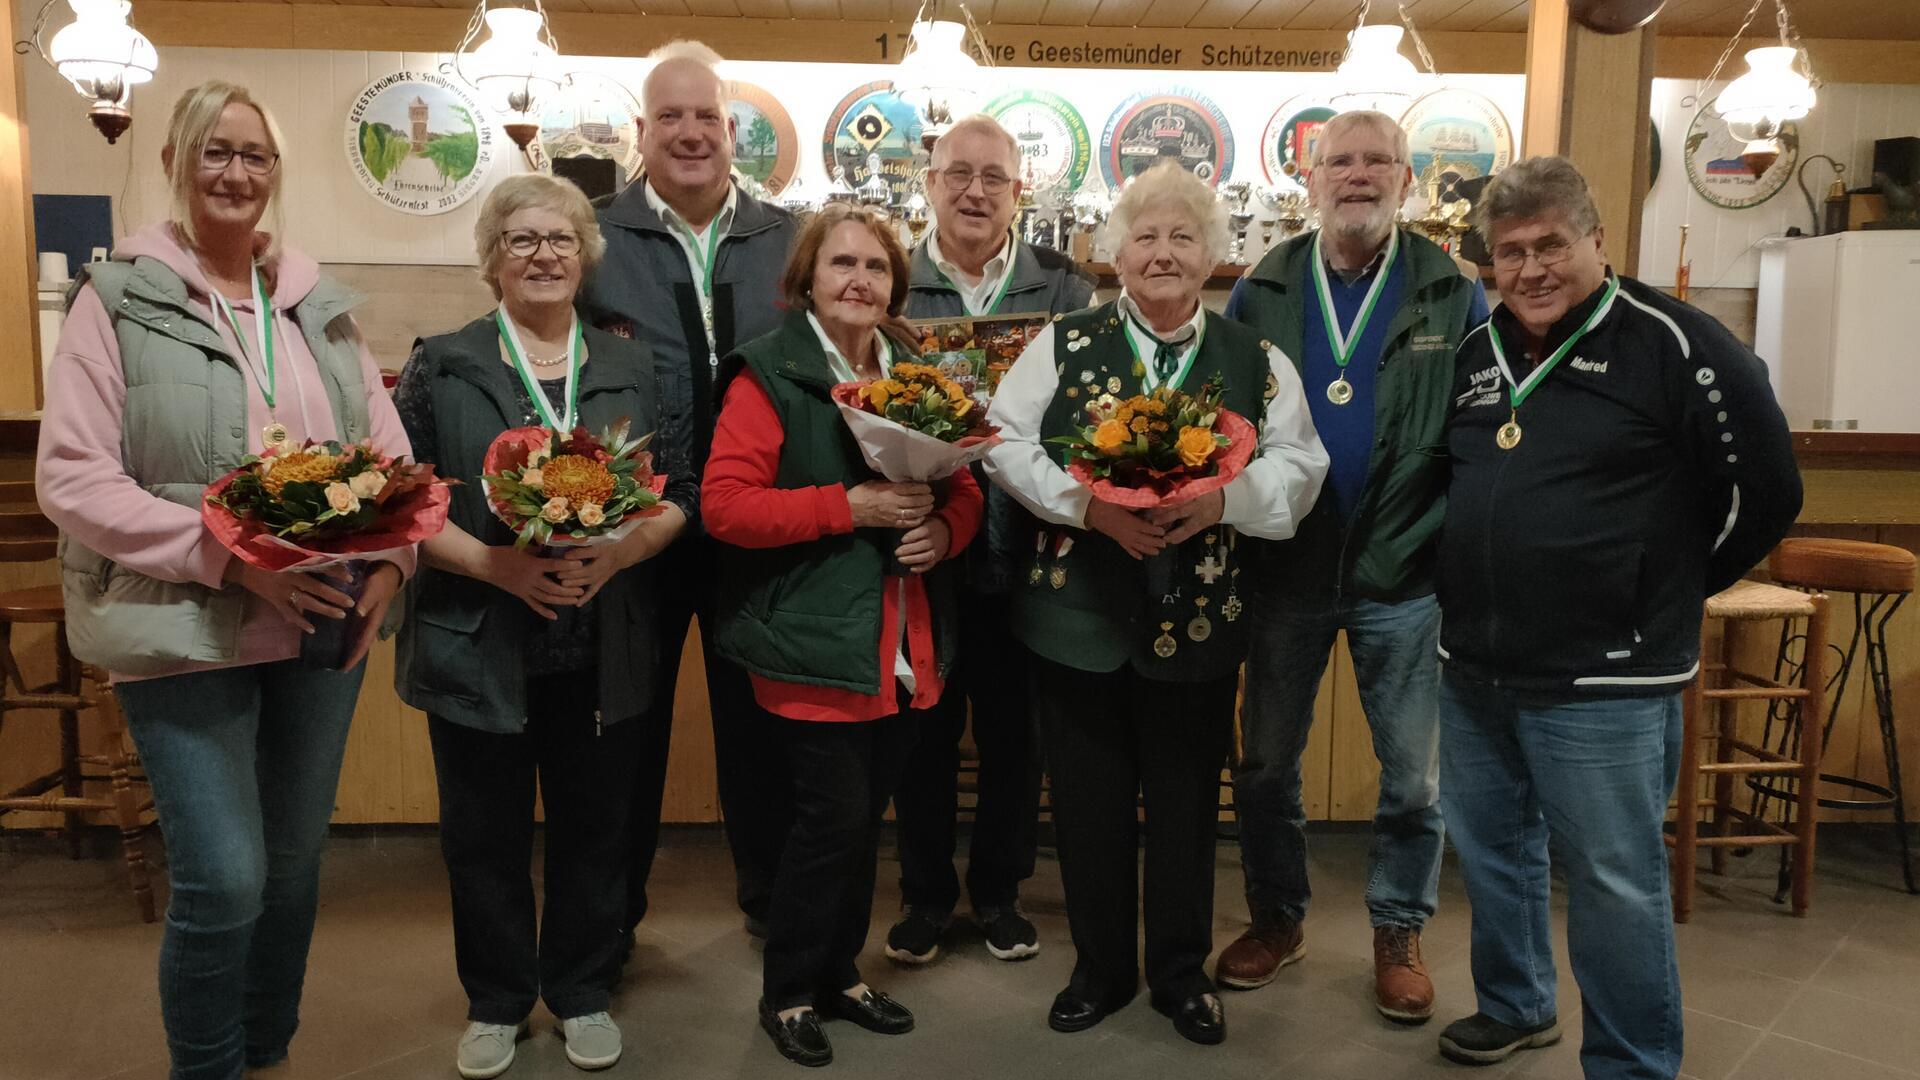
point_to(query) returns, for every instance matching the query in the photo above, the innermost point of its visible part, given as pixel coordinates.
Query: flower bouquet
(565, 489)
(914, 425)
(322, 505)
(1156, 450)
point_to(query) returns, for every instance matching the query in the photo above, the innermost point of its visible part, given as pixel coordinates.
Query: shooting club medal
(1345, 340)
(1200, 628)
(1057, 577)
(274, 435)
(1508, 435)
(1164, 646)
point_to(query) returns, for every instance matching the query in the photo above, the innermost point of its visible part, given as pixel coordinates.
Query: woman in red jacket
(845, 653)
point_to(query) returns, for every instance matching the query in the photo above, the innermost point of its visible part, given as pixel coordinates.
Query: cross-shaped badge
(1209, 569)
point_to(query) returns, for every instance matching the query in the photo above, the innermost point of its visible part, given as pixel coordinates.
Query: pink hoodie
(83, 486)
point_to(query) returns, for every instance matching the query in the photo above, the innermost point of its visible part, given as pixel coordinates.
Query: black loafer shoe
(1071, 1012)
(874, 1011)
(1198, 1018)
(800, 1040)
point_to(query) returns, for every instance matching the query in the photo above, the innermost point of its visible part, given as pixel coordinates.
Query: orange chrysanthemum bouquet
(571, 488)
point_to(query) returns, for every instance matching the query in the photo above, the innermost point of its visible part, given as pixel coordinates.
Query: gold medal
(1034, 577)
(1340, 391)
(274, 435)
(1113, 384)
(1230, 607)
(1164, 645)
(1508, 436)
(1200, 628)
(1058, 578)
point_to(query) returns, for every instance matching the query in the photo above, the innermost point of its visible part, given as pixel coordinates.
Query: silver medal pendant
(1340, 391)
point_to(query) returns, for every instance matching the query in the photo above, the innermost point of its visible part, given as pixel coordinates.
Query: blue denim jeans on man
(1593, 774)
(244, 763)
(1393, 659)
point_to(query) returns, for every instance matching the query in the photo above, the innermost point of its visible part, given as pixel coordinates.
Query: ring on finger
(293, 598)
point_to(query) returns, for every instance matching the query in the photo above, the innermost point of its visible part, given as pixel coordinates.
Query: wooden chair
(27, 536)
(1726, 686)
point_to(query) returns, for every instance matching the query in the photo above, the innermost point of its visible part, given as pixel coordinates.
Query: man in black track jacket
(1617, 457)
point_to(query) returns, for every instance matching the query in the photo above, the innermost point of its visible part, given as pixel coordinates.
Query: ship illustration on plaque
(1718, 166)
(1174, 123)
(873, 122)
(1455, 135)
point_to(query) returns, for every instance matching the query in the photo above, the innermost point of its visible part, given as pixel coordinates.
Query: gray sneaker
(487, 1049)
(593, 1042)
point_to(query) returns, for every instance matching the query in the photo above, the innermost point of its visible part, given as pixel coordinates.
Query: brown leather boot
(1401, 989)
(1256, 956)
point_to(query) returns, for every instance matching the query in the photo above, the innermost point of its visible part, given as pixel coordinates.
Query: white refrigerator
(1837, 320)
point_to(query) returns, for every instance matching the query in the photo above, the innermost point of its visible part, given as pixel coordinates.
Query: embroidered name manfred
(1581, 363)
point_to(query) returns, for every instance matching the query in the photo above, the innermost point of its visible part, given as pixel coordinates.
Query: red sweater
(739, 505)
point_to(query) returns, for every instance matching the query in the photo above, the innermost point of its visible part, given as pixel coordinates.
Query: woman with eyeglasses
(844, 649)
(205, 338)
(531, 665)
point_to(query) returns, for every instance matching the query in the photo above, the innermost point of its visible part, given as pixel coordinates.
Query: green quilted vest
(1097, 608)
(810, 613)
(185, 426)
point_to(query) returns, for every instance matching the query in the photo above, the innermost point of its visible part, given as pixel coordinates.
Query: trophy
(1235, 195)
(875, 193)
(1090, 207)
(837, 189)
(917, 214)
(795, 203)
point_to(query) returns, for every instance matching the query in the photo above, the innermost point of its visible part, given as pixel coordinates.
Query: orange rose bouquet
(1158, 449)
(571, 488)
(915, 425)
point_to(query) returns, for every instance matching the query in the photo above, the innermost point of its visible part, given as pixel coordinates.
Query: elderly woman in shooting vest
(202, 341)
(1134, 689)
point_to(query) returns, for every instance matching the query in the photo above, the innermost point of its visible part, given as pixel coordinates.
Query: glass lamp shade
(100, 54)
(1373, 72)
(1768, 95)
(937, 75)
(515, 67)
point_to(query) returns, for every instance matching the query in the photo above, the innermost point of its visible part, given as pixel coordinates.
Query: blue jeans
(244, 763)
(1592, 774)
(1394, 661)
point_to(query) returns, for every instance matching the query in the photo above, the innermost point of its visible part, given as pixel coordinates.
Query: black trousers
(843, 775)
(1110, 739)
(486, 834)
(991, 676)
(756, 794)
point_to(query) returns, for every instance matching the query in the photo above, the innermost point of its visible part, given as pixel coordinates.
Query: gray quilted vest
(185, 426)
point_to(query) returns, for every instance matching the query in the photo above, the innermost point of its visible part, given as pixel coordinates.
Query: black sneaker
(1009, 935)
(915, 939)
(1481, 1040)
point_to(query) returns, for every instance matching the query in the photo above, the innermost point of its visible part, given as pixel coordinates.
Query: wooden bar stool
(27, 536)
(1880, 577)
(1725, 685)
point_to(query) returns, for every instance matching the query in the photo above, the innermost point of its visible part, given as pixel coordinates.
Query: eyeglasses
(216, 158)
(1551, 253)
(523, 243)
(1373, 164)
(959, 178)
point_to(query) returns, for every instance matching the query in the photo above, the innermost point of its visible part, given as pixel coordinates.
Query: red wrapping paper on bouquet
(1161, 490)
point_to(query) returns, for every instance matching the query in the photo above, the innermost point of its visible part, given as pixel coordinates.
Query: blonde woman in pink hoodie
(203, 339)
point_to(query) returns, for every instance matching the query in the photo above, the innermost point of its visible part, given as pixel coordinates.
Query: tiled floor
(1832, 997)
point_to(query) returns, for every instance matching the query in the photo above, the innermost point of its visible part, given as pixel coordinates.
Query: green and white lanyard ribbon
(1345, 341)
(993, 305)
(838, 365)
(510, 336)
(701, 260)
(266, 377)
(1518, 390)
(1162, 371)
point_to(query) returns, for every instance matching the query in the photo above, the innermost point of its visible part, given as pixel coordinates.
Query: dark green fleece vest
(1096, 608)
